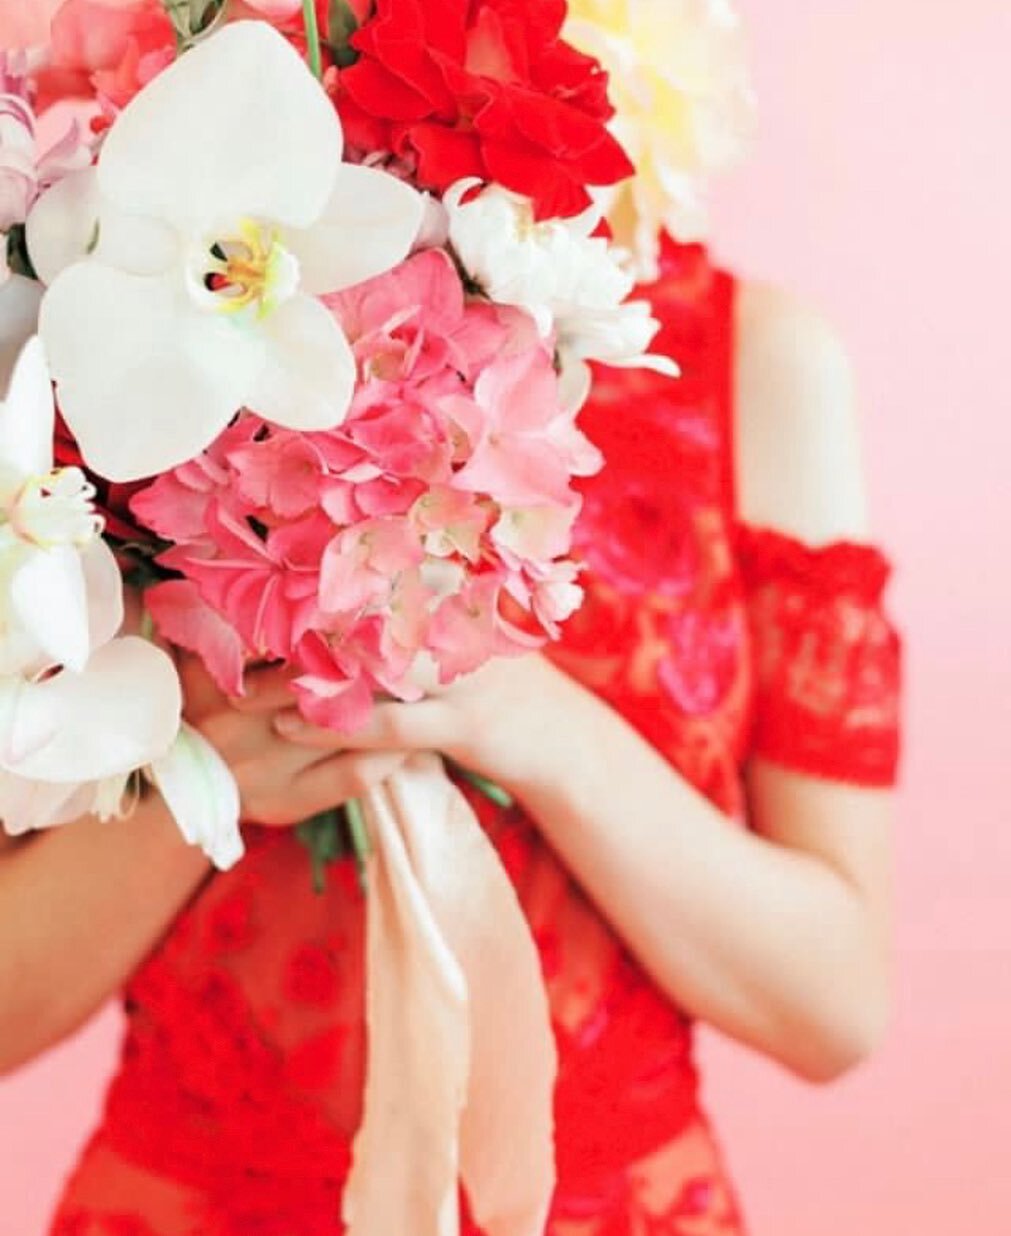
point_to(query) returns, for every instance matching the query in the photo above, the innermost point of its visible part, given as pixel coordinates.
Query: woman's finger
(424, 726)
(267, 689)
(201, 694)
(338, 779)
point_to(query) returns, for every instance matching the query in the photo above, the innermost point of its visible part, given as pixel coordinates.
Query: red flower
(483, 88)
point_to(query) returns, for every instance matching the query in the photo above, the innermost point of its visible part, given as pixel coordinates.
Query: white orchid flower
(571, 282)
(200, 791)
(61, 594)
(81, 710)
(218, 212)
(119, 714)
(20, 299)
(196, 784)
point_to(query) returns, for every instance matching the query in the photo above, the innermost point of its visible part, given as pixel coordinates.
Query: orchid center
(56, 509)
(250, 270)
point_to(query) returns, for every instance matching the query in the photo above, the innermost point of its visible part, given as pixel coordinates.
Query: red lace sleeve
(827, 658)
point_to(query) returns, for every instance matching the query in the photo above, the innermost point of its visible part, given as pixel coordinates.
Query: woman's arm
(778, 936)
(82, 905)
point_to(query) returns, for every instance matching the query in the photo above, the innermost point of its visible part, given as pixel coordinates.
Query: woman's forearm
(81, 906)
(769, 944)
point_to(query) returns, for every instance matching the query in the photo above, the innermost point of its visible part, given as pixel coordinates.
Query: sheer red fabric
(239, 1091)
(827, 660)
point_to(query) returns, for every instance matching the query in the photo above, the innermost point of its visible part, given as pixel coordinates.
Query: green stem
(360, 844)
(311, 23)
(494, 793)
(321, 836)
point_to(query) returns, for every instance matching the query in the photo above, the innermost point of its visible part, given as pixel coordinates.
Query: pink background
(880, 191)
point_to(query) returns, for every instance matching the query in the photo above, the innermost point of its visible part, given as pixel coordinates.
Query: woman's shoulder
(797, 453)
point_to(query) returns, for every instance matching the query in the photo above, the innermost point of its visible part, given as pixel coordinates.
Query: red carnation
(483, 88)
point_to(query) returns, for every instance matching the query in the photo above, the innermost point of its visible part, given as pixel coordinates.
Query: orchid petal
(236, 127)
(19, 654)
(19, 318)
(121, 713)
(145, 380)
(308, 375)
(103, 582)
(201, 793)
(63, 224)
(28, 415)
(48, 599)
(73, 220)
(27, 805)
(12, 687)
(137, 244)
(368, 227)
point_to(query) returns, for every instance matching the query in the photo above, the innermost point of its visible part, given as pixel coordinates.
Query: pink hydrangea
(361, 555)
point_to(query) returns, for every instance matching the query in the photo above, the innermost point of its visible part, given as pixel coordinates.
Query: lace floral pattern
(240, 1086)
(826, 657)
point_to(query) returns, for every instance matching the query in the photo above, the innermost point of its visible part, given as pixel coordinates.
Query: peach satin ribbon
(462, 1059)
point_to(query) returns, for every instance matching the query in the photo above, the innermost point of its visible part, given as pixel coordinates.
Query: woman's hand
(515, 721)
(280, 782)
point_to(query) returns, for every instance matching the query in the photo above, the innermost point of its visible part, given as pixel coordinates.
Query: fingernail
(288, 722)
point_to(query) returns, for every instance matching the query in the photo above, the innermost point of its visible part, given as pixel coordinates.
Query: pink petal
(342, 705)
(186, 620)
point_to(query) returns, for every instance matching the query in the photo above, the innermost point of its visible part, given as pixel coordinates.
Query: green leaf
(323, 836)
(494, 793)
(361, 844)
(193, 20)
(341, 25)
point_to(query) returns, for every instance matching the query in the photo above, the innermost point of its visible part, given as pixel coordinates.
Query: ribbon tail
(507, 1130)
(405, 1159)
(462, 1060)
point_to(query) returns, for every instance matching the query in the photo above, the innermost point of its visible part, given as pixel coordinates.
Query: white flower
(200, 791)
(197, 786)
(570, 281)
(60, 588)
(684, 109)
(75, 703)
(81, 710)
(218, 213)
(71, 730)
(19, 320)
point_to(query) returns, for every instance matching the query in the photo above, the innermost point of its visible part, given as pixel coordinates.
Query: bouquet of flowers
(318, 284)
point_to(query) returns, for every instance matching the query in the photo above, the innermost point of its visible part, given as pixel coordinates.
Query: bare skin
(779, 935)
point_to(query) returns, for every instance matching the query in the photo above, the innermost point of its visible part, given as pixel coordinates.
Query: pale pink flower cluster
(27, 166)
(426, 534)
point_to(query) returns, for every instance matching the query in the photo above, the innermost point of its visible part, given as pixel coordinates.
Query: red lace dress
(240, 1085)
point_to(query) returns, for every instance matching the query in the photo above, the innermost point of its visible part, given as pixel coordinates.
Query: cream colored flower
(685, 109)
(568, 280)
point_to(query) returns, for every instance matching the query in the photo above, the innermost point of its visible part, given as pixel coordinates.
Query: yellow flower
(684, 109)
